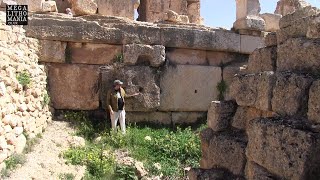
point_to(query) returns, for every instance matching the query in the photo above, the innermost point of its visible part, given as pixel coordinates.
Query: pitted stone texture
(212, 174)
(253, 90)
(314, 103)
(186, 57)
(247, 8)
(263, 59)
(52, 51)
(134, 54)
(270, 39)
(49, 6)
(194, 12)
(250, 43)
(223, 150)
(182, 86)
(285, 7)
(256, 172)
(244, 115)
(121, 8)
(141, 79)
(187, 117)
(272, 21)
(219, 58)
(289, 19)
(74, 86)
(250, 23)
(303, 57)
(33, 5)
(87, 53)
(84, 7)
(220, 114)
(314, 28)
(290, 94)
(149, 117)
(285, 147)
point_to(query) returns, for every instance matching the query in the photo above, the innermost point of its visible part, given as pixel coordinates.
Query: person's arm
(109, 102)
(129, 95)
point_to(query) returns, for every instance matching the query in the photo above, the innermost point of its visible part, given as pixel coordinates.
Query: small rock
(76, 141)
(18, 130)
(140, 169)
(98, 139)
(7, 128)
(20, 143)
(2, 89)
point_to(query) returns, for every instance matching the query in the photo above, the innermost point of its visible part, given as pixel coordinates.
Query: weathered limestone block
(33, 5)
(314, 103)
(218, 58)
(314, 28)
(88, 53)
(187, 117)
(290, 94)
(182, 86)
(220, 114)
(52, 51)
(62, 5)
(84, 7)
(270, 39)
(250, 43)
(141, 79)
(20, 143)
(212, 174)
(172, 16)
(224, 150)
(256, 172)
(253, 90)
(303, 57)
(285, 147)
(289, 19)
(150, 117)
(285, 7)
(49, 6)
(194, 12)
(186, 57)
(250, 23)
(144, 54)
(121, 8)
(247, 7)
(263, 59)
(244, 115)
(74, 86)
(272, 21)
(184, 19)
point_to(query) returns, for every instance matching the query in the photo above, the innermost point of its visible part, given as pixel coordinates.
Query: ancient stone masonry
(270, 127)
(24, 98)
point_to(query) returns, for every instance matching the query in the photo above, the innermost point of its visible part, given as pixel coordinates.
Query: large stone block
(87, 53)
(285, 7)
(218, 58)
(250, 23)
(184, 85)
(263, 59)
(272, 21)
(253, 90)
(149, 117)
(244, 115)
(52, 51)
(314, 28)
(285, 147)
(314, 103)
(256, 172)
(187, 56)
(121, 8)
(141, 79)
(220, 114)
(289, 19)
(194, 12)
(290, 94)
(187, 117)
(212, 174)
(270, 39)
(74, 86)
(144, 54)
(84, 7)
(33, 5)
(250, 43)
(224, 150)
(247, 8)
(304, 55)
(49, 6)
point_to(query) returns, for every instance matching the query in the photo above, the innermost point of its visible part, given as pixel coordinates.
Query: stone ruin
(269, 127)
(177, 64)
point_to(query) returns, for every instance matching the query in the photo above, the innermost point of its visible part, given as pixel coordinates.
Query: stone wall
(175, 67)
(23, 109)
(270, 127)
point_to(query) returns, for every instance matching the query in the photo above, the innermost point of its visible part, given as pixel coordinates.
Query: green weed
(24, 78)
(66, 176)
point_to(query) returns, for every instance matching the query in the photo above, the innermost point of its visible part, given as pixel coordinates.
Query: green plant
(83, 125)
(12, 163)
(222, 88)
(46, 99)
(31, 143)
(124, 172)
(119, 58)
(24, 78)
(66, 176)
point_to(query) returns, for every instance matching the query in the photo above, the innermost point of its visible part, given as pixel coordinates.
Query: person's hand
(136, 94)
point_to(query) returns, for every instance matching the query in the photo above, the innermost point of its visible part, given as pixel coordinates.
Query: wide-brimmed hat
(117, 82)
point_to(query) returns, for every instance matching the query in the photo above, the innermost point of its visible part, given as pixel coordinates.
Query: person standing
(116, 105)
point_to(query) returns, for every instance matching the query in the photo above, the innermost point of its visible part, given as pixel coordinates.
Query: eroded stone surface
(314, 103)
(186, 57)
(220, 114)
(187, 117)
(272, 21)
(149, 117)
(121, 8)
(52, 51)
(256, 172)
(285, 7)
(84, 7)
(263, 59)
